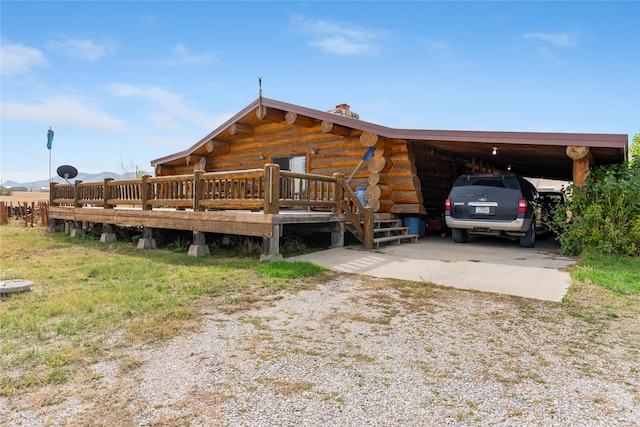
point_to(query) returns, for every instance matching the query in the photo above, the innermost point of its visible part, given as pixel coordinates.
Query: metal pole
(355, 170)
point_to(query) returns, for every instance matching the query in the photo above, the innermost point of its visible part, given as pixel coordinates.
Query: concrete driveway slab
(483, 264)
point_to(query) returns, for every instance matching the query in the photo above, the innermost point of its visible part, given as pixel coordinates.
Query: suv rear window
(503, 181)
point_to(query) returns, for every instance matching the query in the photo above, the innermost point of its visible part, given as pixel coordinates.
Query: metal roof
(535, 154)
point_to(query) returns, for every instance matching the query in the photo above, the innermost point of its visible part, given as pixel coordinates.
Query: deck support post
(53, 226)
(108, 235)
(337, 236)
(199, 246)
(271, 245)
(76, 230)
(147, 241)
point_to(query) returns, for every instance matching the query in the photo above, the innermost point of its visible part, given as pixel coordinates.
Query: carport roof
(533, 154)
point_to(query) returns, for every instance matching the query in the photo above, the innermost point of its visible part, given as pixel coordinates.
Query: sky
(124, 82)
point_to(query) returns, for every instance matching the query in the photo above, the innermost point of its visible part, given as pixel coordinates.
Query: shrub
(604, 215)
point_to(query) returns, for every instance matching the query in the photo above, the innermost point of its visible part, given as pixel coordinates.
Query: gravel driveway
(352, 352)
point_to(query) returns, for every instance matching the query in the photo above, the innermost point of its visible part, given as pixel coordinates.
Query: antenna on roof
(260, 86)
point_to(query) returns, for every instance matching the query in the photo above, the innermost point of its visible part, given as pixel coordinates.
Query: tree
(131, 170)
(634, 149)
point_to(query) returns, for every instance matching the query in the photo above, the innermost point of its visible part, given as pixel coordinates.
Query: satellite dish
(67, 172)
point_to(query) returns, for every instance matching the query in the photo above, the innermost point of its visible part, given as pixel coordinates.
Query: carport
(441, 156)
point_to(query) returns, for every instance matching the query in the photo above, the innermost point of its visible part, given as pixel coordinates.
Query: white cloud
(83, 49)
(339, 38)
(18, 59)
(182, 56)
(554, 39)
(62, 109)
(167, 104)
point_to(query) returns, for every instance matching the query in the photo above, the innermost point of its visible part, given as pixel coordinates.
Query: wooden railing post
(272, 190)
(368, 226)
(198, 190)
(52, 193)
(338, 193)
(145, 192)
(76, 194)
(106, 193)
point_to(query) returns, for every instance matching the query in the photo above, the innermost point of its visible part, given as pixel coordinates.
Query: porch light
(262, 157)
(314, 151)
(495, 151)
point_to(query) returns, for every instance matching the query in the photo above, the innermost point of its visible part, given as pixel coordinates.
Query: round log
(375, 192)
(381, 205)
(376, 164)
(368, 139)
(577, 152)
(378, 178)
(209, 146)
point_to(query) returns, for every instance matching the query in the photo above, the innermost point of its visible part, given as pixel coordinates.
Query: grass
(618, 274)
(90, 296)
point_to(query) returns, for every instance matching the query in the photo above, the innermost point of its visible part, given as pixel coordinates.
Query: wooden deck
(251, 203)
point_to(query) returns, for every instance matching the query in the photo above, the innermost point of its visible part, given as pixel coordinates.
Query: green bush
(604, 215)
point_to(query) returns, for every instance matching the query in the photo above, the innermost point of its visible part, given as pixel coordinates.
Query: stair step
(390, 229)
(387, 221)
(395, 239)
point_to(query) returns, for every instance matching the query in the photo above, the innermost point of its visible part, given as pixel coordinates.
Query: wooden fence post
(272, 190)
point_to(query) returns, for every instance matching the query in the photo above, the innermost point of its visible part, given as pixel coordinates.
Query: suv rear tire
(460, 235)
(529, 239)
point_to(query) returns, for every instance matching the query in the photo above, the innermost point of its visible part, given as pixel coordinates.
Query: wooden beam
(162, 170)
(192, 159)
(269, 114)
(217, 145)
(295, 119)
(330, 127)
(240, 129)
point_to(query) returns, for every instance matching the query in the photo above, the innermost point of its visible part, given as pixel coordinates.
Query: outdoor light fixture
(314, 151)
(262, 156)
(509, 167)
(495, 151)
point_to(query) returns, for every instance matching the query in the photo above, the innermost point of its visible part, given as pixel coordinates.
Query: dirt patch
(25, 196)
(362, 351)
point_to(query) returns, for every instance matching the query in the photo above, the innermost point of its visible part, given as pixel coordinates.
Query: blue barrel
(360, 195)
(413, 223)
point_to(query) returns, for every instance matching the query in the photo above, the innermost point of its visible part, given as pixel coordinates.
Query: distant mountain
(86, 177)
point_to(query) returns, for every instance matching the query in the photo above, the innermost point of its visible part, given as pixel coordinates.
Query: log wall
(390, 175)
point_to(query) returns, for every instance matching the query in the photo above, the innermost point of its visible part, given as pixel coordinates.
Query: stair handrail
(361, 217)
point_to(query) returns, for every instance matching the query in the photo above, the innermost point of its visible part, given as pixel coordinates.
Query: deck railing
(267, 189)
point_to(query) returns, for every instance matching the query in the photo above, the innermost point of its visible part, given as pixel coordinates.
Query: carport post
(582, 159)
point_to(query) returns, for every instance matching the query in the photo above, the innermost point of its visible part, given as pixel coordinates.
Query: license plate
(483, 210)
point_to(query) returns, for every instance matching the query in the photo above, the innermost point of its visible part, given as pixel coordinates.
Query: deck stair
(389, 230)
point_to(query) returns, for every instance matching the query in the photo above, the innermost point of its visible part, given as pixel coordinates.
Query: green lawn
(85, 290)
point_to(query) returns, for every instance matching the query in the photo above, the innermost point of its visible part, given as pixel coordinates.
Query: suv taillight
(447, 205)
(522, 206)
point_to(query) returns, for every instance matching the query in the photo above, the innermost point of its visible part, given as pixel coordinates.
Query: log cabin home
(275, 165)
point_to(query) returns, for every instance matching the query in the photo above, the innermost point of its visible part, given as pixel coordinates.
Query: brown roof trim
(528, 138)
